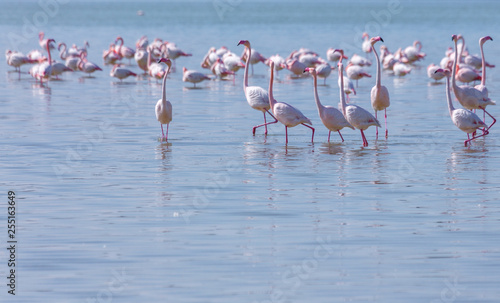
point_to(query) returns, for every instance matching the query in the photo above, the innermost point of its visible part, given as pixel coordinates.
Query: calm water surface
(107, 213)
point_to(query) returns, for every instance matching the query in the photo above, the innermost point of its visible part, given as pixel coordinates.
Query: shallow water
(107, 213)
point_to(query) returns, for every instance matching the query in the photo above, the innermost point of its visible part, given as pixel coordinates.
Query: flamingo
(70, 61)
(482, 87)
(44, 42)
(309, 60)
(400, 69)
(332, 118)
(413, 53)
(284, 112)
(295, 66)
(120, 72)
(465, 73)
(355, 72)
(469, 97)
(220, 70)
(432, 72)
(74, 51)
(361, 61)
(17, 59)
(163, 107)
(232, 62)
(58, 68)
(123, 51)
(333, 55)
(142, 42)
(379, 95)
(255, 57)
(173, 52)
(193, 76)
(110, 56)
(354, 114)
(43, 70)
(36, 55)
(323, 70)
(366, 46)
(155, 69)
(86, 66)
(141, 57)
(465, 120)
(256, 96)
(210, 58)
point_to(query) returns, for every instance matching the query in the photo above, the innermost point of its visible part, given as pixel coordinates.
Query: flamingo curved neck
(272, 102)
(451, 108)
(63, 55)
(163, 88)
(245, 78)
(454, 70)
(483, 62)
(48, 51)
(316, 97)
(342, 97)
(377, 81)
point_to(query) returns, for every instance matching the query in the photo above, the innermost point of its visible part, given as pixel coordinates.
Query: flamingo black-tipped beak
(381, 39)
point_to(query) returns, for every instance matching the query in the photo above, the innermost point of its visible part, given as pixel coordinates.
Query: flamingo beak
(381, 39)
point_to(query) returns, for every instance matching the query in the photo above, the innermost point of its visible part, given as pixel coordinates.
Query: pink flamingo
(413, 52)
(333, 55)
(193, 76)
(256, 96)
(255, 57)
(163, 106)
(361, 61)
(355, 72)
(366, 46)
(431, 72)
(121, 73)
(123, 51)
(44, 42)
(332, 118)
(309, 60)
(323, 70)
(173, 52)
(87, 67)
(379, 94)
(17, 59)
(43, 70)
(482, 87)
(284, 112)
(74, 51)
(141, 57)
(155, 69)
(110, 56)
(70, 61)
(355, 115)
(295, 66)
(232, 62)
(220, 70)
(465, 120)
(469, 97)
(142, 42)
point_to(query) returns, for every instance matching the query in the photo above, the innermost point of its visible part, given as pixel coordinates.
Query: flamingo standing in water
(43, 70)
(366, 46)
(431, 72)
(193, 76)
(173, 52)
(379, 94)
(284, 112)
(163, 106)
(256, 96)
(465, 120)
(70, 61)
(413, 53)
(332, 118)
(333, 55)
(355, 72)
(123, 51)
(468, 96)
(86, 66)
(482, 87)
(355, 115)
(44, 42)
(17, 59)
(120, 72)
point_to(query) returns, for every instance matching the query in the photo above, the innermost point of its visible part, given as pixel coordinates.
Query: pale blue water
(106, 213)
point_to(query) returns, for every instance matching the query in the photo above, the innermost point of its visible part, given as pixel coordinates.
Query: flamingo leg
(385, 115)
(340, 136)
(494, 120)
(329, 136)
(365, 142)
(485, 132)
(376, 135)
(166, 136)
(286, 134)
(265, 123)
(312, 138)
(162, 134)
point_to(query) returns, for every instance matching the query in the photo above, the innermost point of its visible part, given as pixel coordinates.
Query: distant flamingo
(16, 59)
(163, 106)
(123, 51)
(232, 62)
(323, 70)
(413, 52)
(366, 46)
(355, 72)
(359, 60)
(332, 118)
(464, 119)
(478, 62)
(309, 60)
(348, 87)
(295, 66)
(333, 55)
(70, 62)
(173, 52)
(469, 97)
(465, 73)
(355, 115)
(44, 42)
(141, 57)
(482, 87)
(278, 62)
(155, 69)
(87, 67)
(74, 51)
(284, 112)
(401, 69)
(110, 56)
(255, 57)
(220, 70)
(142, 42)
(256, 96)
(193, 76)
(43, 70)
(58, 68)
(379, 94)
(121, 73)
(431, 72)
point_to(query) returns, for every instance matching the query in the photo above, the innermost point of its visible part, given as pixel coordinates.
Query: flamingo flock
(157, 60)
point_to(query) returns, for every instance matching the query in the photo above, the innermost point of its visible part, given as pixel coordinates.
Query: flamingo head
(341, 51)
(118, 39)
(365, 35)
(50, 41)
(244, 42)
(40, 35)
(374, 40)
(167, 61)
(59, 45)
(310, 70)
(445, 71)
(484, 39)
(454, 38)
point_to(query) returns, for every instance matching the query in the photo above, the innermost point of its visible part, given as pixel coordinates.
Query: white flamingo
(355, 115)
(284, 112)
(482, 87)
(43, 70)
(163, 107)
(193, 76)
(120, 72)
(465, 120)
(256, 96)
(332, 118)
(379, 95)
